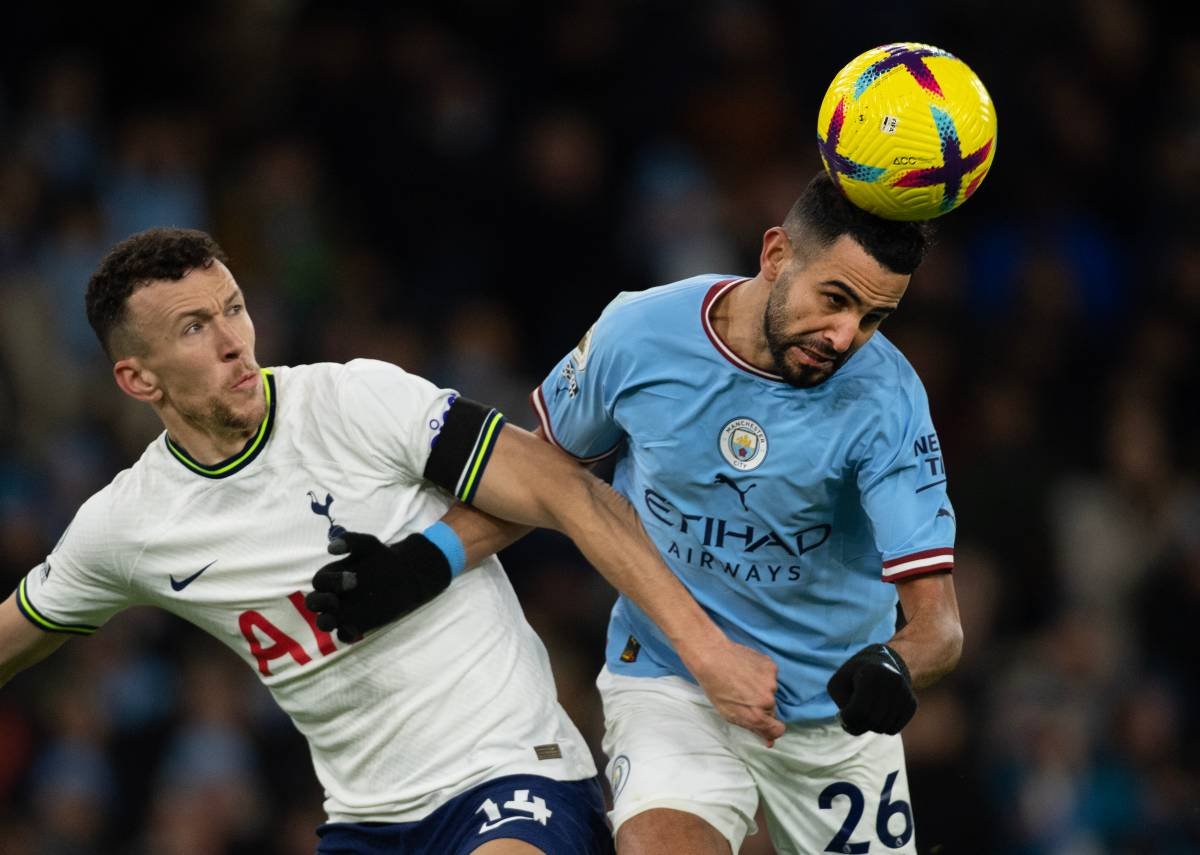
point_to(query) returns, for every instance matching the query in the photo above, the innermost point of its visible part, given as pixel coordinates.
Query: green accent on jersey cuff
(42, 622)
(465, 491)
(252, 448)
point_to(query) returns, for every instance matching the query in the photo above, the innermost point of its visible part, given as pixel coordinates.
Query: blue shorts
(558, 817)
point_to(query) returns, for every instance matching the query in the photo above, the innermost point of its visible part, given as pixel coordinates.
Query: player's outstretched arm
(527, 481)
(21, 643)
(874, 688)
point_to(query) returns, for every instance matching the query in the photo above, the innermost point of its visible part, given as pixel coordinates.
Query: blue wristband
(446, 540)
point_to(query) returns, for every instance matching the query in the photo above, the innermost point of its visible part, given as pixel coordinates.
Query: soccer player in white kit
(781, 454)
(440, 733)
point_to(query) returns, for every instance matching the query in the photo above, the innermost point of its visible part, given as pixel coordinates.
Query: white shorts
(822, 789)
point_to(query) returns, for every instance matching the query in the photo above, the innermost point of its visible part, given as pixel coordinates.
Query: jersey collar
(250, 451)
(715, 293)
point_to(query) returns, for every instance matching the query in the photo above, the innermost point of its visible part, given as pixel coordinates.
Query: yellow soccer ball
(907, 130)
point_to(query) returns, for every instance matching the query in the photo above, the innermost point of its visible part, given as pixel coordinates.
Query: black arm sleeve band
(461, 451)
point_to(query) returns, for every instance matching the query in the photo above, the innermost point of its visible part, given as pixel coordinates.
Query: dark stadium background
(460, 188)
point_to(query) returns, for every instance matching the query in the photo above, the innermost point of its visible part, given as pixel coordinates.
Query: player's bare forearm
(21, 643)
(481, 533)
(931, 641)
(530, 482)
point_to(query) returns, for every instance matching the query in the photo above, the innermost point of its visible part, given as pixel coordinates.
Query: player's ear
(776, 252)
(136, 380)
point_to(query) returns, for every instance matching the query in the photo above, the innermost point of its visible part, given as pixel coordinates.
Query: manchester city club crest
(743, 444)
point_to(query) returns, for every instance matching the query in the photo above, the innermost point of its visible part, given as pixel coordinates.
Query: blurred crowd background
(459, 188)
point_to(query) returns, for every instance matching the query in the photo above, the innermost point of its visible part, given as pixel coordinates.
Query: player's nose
(231, 342)
(841, 335)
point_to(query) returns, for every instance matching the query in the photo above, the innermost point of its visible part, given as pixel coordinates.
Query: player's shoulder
(663, 300)
(656, 313)
(308, 377)
(357, 370)
(877, 389)
(883, 372)
(327, 372)
(121, 511)
(877, 393)
(323, 381)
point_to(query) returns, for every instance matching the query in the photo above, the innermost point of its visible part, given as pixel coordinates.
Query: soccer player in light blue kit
(781, 455)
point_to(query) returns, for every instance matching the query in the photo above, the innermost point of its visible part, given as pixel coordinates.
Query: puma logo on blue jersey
(322, 510)
(722, 478)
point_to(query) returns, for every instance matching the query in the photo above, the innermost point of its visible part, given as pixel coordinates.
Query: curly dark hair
(822, 214)
(149, 256)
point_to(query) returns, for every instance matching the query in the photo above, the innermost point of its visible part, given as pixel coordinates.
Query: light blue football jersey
(786, 512)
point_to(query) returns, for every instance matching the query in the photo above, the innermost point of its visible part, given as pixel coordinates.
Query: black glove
(375, 583)
(873, 691)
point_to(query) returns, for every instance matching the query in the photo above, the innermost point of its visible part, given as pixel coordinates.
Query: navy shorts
(558, 817)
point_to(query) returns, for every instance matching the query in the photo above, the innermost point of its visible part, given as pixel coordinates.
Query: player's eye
(235, 309)
(191, 328)
(836, 301)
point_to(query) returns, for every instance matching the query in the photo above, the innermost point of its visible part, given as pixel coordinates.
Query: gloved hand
(375, 583)
(873, 691)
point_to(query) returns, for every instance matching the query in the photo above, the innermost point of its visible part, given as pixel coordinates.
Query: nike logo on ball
(181, 584)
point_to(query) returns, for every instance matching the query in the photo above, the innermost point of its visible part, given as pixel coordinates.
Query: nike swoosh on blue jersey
(180, 585)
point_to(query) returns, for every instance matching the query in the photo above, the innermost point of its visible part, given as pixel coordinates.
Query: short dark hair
(822, 214)
(149, 256)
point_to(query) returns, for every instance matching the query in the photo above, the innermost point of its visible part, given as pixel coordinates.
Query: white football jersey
(418, 711)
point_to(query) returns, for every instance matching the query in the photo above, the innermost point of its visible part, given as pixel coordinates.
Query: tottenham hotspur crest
(743, 444)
